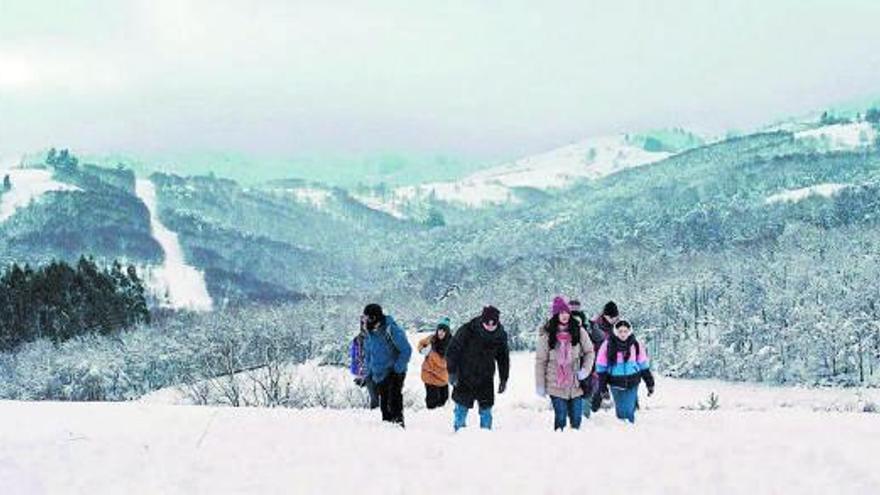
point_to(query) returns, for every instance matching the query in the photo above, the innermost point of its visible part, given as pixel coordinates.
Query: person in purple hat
(563, 358)
(470, 359)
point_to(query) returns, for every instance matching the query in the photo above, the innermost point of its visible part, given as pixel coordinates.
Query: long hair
(552, 328)
(440, 345)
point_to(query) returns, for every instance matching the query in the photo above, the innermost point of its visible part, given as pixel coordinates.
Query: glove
(541, 392)
(586, 386)
(650, 391)
(582, 374)
(360, 381)
(425, 350)
(453, 379)
(502, 386)
(596, 404)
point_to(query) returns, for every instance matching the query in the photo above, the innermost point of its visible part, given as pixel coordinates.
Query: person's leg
(486, 417)
(383, 397)
(374, 394)
(559, 412)
(442, 395)
(625, 402)
(576, 412)
(459, 416)
(632, 403)
(588, 410)
(395, 400)
(430, 396)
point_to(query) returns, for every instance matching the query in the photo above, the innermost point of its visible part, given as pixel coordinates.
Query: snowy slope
(761, 440)
(183, 284)
(840, 137)
(795, 195)
(27, 185)
(589, 159)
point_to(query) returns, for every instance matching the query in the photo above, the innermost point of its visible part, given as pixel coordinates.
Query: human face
(564, 317)
(612, 319)
(623, 332)
(490, 325)
(441, 334)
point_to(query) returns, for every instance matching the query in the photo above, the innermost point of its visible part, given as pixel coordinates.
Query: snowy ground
(761, 440)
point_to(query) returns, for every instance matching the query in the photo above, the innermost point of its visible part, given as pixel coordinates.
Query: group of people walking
(577, 362)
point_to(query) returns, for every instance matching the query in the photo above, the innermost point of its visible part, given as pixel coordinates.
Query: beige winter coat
(545, 365)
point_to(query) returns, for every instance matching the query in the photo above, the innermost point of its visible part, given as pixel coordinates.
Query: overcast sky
(479, 79)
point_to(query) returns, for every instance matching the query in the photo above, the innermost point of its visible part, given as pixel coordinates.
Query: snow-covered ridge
(589, 159)
(795, 195)
(840, 137)
(27, 185)
(183, 284)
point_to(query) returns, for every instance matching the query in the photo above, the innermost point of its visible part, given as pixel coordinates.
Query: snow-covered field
(760, 440)
(27, 185)
(183, 284)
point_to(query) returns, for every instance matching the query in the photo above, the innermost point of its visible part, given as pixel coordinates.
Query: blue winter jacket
(383, 354)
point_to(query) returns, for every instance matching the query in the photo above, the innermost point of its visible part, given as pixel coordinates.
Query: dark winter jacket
(600, 329)
(386, 350)
(471, 359)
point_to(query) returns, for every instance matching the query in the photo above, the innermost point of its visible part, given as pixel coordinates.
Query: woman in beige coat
(563, 358)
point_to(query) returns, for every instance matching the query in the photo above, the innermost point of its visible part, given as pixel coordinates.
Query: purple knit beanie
(559, 306)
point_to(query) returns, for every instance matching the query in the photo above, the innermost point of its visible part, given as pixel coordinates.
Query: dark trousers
(374, 395)
(436, 396)
(390, 392)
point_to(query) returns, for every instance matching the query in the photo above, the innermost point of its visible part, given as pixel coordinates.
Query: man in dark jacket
(386, 355)
(471, 357)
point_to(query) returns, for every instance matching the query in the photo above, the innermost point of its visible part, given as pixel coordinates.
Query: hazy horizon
(349, 82)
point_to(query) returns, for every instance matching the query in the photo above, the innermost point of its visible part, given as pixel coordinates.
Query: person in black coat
(471, 358)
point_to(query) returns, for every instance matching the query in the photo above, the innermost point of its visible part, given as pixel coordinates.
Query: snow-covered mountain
(550, 171)
(27, 185)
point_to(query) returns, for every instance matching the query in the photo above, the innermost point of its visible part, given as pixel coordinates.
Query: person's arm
(502, 357)
(365, 349)
(353, 356)
(602, 373)
(645, 368)
(588, 355)
(454, 350)
(542, 356)
(423, 344)
(403, 347)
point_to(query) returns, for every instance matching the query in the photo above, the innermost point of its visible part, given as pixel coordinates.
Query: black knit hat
(490, 313)
(373, 312)
(610, 310)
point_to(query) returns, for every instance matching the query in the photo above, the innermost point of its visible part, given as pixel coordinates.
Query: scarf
(564, 373)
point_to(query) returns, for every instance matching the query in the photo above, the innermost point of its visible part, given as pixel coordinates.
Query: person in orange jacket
(434, 372)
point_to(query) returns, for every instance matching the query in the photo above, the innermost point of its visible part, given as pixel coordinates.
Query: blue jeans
(461, 413)
(570, 409)
(625, 402)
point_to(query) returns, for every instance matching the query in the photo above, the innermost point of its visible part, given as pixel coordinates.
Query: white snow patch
(795, 195)
(183, 284)
(839, 137)
(27, 185)
(776, 444)
(390, 206)
(589, 159)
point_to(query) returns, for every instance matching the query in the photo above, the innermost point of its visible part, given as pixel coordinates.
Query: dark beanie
(490, 313)
(610, 310)
(373, 312)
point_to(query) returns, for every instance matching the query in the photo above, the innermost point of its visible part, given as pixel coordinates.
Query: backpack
(387, 335)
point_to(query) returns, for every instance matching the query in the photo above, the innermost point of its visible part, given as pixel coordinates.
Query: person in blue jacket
(386, 355)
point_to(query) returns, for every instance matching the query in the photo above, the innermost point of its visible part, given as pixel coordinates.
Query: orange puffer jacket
(434, 368)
